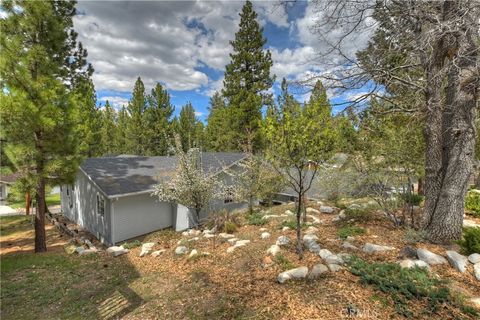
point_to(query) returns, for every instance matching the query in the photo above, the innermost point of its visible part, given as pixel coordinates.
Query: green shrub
(344, 232)
(230, 227)
(413, 199)
(472, 202)
(404, 285)
(292, 224)
(132, 244)
(470, 241)
(256, 219)
(359, 214)
(283, 262)
(413, 236)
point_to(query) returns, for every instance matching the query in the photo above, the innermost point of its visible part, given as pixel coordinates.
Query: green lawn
(52, 200)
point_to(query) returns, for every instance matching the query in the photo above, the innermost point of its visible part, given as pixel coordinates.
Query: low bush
(405, 285)
(223, 220)
(283, 262)
(132, 244)
(344, 232)
(470, 242)
(413, 236)
(413, 199)
(256, 219)
(230, 227)
(358, 214)
(472, 202)
(292, 224)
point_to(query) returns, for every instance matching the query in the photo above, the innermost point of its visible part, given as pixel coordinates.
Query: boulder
(289, 213)
(285, 229)
(408, 263)
(474, 258)
(265, 235)
(232, 240)
(309, 237)
(375, 248)
(348, 245)
(315, 219)
(317, 271)
(273, 250)
(158, 252)
(283, 241)
(334, 267)
(458, 261)
(181, 250)
(324, 253)
(312, 210)
(312, 246)
(333, 259)
(326, 209)
(194, 252)
(241, 243)
(146, 248)
(476, 270)
(117, 250)
(408, 252)
(311, 230)
(224, 235)
(297, 273)
(430, 257)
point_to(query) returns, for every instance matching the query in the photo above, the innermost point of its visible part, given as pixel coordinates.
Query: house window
(100, 205)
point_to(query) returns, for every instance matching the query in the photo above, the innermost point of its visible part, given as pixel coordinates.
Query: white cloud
(198, 113)
(115, 101)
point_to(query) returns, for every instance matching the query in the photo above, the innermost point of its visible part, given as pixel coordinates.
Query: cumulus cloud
(115, 101)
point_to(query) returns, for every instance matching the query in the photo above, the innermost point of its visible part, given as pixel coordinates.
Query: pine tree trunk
(28, 200)
(40, 237)
(450, 136)
(299, 228)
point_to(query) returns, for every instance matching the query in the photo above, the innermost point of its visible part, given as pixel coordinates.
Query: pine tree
(121, 132)
(89, 120)
(187, 123)
(135, 135)
(41, 67)
(108, 130)
(158, 128)
(247, 79)
(217, 130)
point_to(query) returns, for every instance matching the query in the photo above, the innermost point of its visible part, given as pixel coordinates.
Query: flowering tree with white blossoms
(190, 185)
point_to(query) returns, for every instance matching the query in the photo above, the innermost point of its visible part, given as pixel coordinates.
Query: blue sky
(185, 46)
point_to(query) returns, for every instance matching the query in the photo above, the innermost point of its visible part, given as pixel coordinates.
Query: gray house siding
(79, 204)
(139, 214)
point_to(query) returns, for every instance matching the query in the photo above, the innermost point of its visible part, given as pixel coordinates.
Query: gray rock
(289, 213)
(458, 261)
(297, 273)
(283, 241)
(407, 263)
(348, 245)
(193, 239)
(208, 236)
(476, 270)
(146, 248)
(334, 259)
(311, 230)
(194, 252)
(334, 267)
(241, 243)
(273, 250)
(262, 229)
(181, 250)
(342, 215)
(265, 235)
(117, 250)
(375, 248)
(158, 252)
(79, 250)
(326, 209)
(315, 219)
(474, 258)
(285, 229)
(224, 235)
(312, 210)
(309, 237)
(470, 224)
(475, 301)
(408, 252)
(430, 257)
(317, 271)
(88, 251)
(232, 240)
(324, 253)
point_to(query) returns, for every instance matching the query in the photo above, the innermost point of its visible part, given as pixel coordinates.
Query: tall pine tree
(187, 127)
(135, 131)
(158, 127)
(108, 131)
(121, 132)
(247, 79)
(90, 120)
(41, 67)
(217, 130)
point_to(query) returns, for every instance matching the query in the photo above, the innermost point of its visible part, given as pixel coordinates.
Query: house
(112, 196)
(6, 182)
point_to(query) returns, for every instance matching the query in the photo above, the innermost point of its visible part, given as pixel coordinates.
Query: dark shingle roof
(129, 174)
(10, 178)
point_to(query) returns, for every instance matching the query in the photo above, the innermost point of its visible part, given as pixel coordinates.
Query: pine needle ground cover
(221, 285)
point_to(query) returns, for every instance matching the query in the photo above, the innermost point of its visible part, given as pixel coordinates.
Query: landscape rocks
(310, 241)
(430, 257)
(312, 210)
(476, 270)
(232, 240)
(350, 238)
(317, 271)
(475, 301)
(265, 235)
(79, 250)
(193, 239)
(408, 252)
(348, 245)
(224, 235)
(191, 232)
(354, 206)
(208, 236)
(311, 230)
(181, 250)
(263, 229)
(285, 229)
(146, 248)
(297, 273)
(334, 267)
(241, 243)
(194, 252)
(273, 250)
(333, 259)
(267, 262)
(271, 216)
(88, 251)
(289, 213)
(326, 209)
(283, 241)
(474, 258)
(309, 237)
(375, 248)
(117, 250)
(458, 261)
(408, 263)
(158, 252)
(324, 253)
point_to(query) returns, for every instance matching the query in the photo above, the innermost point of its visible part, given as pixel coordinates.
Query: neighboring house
(6, 182)
(112, 196)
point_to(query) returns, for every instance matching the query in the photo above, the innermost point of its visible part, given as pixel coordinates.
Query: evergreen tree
(108, 130)
(217, 130)
(41, 67)
(187, 123)
(121, 132)
(90, 121)
(247, 79)
(135, 130)
(158, 121)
